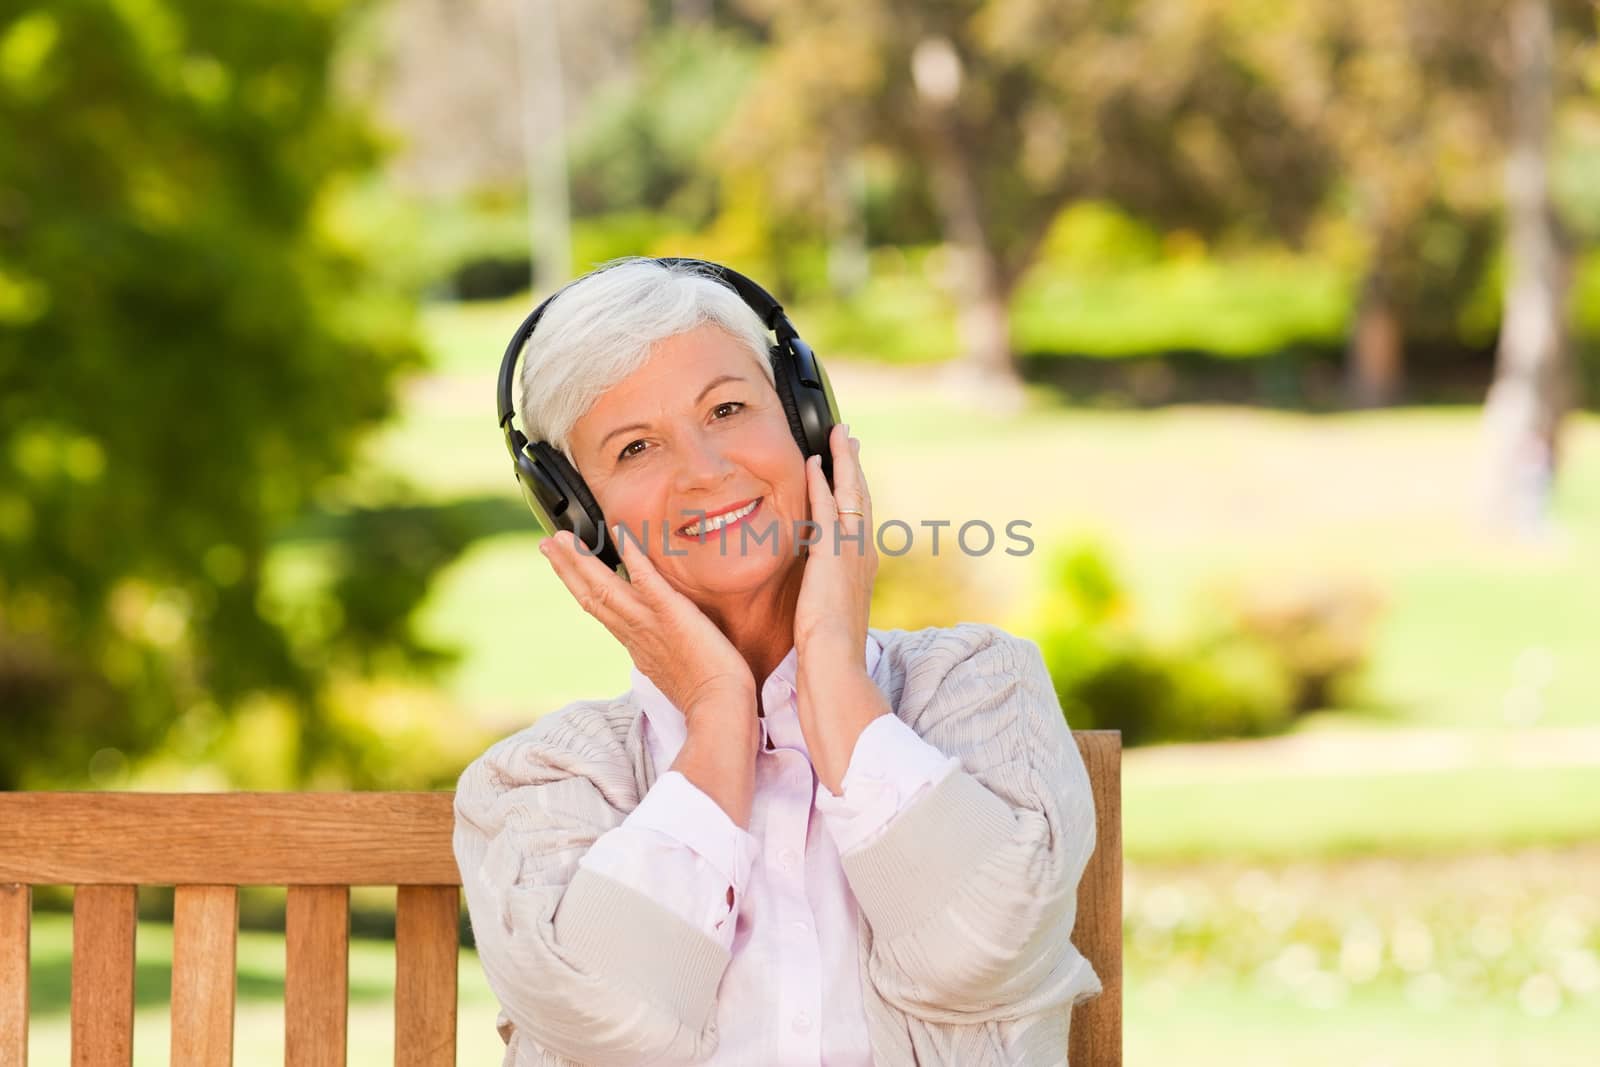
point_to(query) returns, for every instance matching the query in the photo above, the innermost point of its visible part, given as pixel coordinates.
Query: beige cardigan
(966, 901)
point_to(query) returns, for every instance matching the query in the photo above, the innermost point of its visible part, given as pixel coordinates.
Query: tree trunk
(987, 369)
(691, 12)
(545, 145)
(984, 318)
(986, 375)
(1534, 384)
(848, 266)
(1375, 362)
(982, 285)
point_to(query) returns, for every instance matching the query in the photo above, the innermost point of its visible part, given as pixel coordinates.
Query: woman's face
(698, 429)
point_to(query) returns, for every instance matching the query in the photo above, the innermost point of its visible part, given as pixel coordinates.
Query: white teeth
(719, 521)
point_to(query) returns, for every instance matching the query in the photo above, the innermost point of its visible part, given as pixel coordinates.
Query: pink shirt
(791, 994)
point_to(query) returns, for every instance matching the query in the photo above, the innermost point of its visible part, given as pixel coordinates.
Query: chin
(730, 574)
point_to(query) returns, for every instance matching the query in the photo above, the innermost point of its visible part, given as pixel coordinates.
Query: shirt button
(800, 926)
(786, 858)
(802, 1023)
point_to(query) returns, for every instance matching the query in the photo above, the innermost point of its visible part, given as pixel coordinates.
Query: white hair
(601, 328)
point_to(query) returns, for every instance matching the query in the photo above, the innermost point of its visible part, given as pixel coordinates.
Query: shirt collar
(667, 722)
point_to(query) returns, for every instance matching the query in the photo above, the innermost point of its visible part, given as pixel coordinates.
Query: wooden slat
(16, 907)
(205, 921)
(425, 953)
(316, 981)
(104, 918)
(227, 839)
(1096, 1039)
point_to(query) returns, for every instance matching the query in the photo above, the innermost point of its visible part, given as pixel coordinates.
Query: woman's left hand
(836, 589)
(835, 696)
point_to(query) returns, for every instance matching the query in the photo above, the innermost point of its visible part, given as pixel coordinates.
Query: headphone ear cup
(810, 410)
(580, 490)
(783, 381)
(582, 514)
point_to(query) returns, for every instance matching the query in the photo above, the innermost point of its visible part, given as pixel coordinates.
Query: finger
(847, 474)
(561, 550)
(641, 568)
(819, 495)
(598, 590)
(849, 481)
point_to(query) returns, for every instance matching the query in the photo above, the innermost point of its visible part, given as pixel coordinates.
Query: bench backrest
(319, 845)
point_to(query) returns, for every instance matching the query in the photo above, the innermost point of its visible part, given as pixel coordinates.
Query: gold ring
(849, 511)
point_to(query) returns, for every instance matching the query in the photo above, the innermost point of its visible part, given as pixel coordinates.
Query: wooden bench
(318, 845)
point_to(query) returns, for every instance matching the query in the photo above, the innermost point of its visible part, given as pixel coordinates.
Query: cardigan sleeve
(680, 848)
(585, 968)
(889, 771)
(971, 893)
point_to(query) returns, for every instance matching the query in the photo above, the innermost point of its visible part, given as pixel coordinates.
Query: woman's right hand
(668, 637)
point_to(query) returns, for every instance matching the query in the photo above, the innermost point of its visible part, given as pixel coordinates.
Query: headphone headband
(552, 486)
(763, 303)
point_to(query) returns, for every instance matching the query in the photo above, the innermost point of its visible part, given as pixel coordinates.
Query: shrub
(1319, 626)
(1260, 659)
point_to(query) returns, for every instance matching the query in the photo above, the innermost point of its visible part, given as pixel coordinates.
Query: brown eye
(629, 450)
(726, 408)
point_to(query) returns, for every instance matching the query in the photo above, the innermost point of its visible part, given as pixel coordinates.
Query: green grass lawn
(1273, 815)
(1238, 1024)
(1479, 959)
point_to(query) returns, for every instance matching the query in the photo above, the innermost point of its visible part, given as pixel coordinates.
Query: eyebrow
(712, 384)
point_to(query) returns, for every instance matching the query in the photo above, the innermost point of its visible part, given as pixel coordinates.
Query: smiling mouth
(700, 529)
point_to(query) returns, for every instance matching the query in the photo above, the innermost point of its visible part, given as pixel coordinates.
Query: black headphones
(551, 484)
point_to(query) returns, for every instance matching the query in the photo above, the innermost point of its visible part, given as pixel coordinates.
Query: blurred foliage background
(1279, 325)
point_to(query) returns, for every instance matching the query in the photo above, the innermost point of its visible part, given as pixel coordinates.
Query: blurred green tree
(1014, 108)
(1415, 99)
(643, 138)
(1407, 95)
(188, 354)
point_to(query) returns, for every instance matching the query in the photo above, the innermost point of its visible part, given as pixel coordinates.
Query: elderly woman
(795, 839)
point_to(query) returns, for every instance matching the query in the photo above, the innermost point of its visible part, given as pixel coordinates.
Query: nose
(703, 463)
